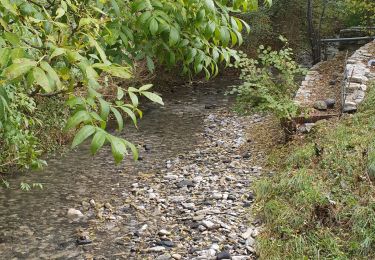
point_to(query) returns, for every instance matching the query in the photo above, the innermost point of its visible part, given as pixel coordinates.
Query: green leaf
(191, 54)
(41, 79)
(9, 7)
(57, 52)
(102, 54)
(117, 71)
(18, 69)
(104, 108)
(84, 133)
(153, 97)
(116, 8)
(98, 141)
(76, 119)
(59, 13)
(210, 5)
(150, 64)
(133, 98)
(133, 149)
(145, 87)
(130, 114)
(119, 118)
(139, 5)
(4, 57)
(118, 148)
(120, 93)
(224, 35)
(153, 26)
(174, 36)
(51, 73)
(13, 38)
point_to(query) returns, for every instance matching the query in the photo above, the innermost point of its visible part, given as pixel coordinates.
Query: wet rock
(83, 240)
(330, 102)
(74, 214)
(165, 243)
(320, 105)
(223, 255)
(185, 183)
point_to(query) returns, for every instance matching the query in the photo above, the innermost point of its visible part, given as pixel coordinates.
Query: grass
(321, 202)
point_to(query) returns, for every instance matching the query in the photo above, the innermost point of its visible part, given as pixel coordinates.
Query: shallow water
(33, 225)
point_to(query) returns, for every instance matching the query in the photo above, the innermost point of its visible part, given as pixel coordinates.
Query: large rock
(350, 107)
(320, 105)
(74, 214)
(330, 102)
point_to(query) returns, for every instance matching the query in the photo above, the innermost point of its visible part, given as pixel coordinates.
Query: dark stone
(332, 82)
(226, 161)
(83, 241)
(193, 250)
(166, 243)
(194, 225)
(246, 204)
(209, 106)
(246, 155)
(224, 255)
(320, 105)
(147, 147)
(330, 102)
(187, 183)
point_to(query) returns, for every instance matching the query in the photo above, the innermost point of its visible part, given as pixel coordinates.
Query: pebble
(92, 203)
(177, 256)
(185, 183)
(156, 249)
(224, 255)
(74, 213)
(163, 232)
(208, 224)
(196, 205)
(247, 234)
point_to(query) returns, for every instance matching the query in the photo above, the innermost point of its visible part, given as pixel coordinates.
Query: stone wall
(359, 71)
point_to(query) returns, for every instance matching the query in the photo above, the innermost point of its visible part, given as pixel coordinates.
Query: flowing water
(34, 225)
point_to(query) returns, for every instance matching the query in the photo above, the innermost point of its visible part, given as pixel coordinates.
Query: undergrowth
(321, 202)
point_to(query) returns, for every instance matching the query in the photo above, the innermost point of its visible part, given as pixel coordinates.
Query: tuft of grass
(321, 202)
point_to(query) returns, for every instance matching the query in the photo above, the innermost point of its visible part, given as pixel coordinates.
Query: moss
(321, 202)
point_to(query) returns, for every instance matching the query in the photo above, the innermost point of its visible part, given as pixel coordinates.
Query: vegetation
(269, 82)
(320, 204)
(73, 51)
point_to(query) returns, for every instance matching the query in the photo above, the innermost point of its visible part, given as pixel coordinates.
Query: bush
(269, 83)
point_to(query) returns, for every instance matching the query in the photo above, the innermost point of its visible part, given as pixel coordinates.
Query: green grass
(321, 202)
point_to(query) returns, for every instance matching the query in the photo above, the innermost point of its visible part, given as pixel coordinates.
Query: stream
(34, 224)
